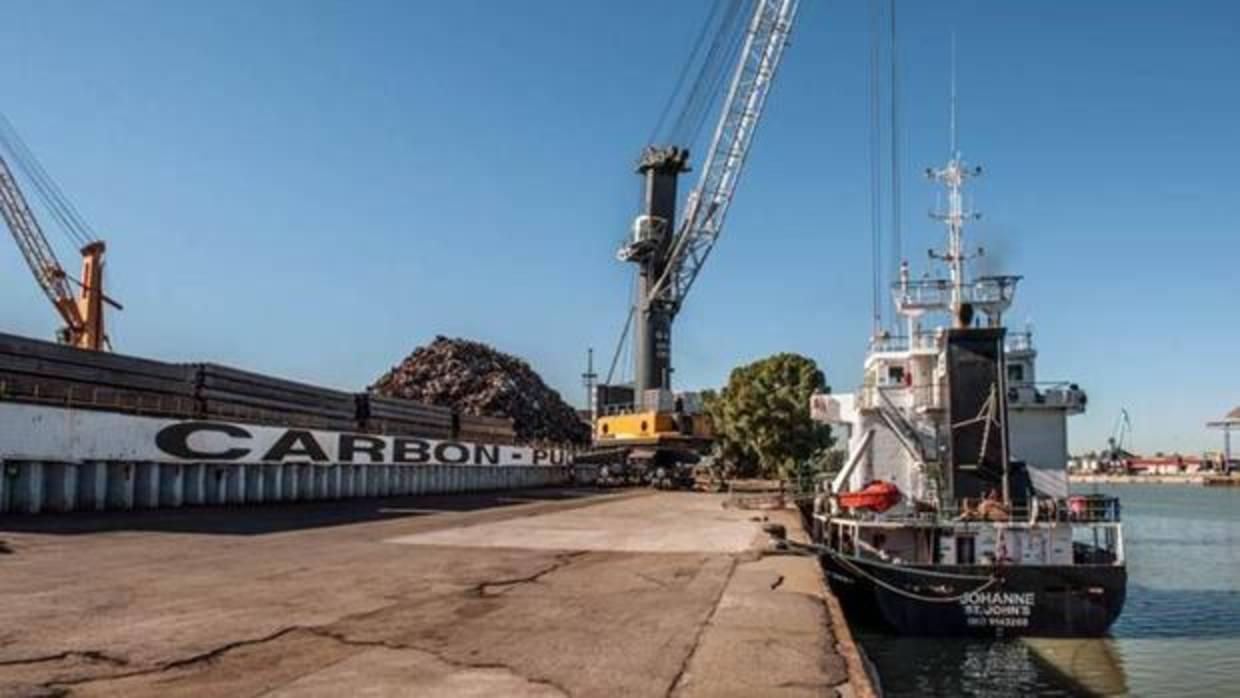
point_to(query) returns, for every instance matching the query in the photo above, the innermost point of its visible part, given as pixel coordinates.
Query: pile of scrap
(475, 380)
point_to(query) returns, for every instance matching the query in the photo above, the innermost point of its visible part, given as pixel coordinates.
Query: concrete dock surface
(536, 593)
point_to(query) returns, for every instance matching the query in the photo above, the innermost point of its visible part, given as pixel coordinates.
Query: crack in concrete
(208, 656)
(60, 686)
(92, 655)
(812, 685)
(212, 654)
(779, 580)
(437, 654)
(697, 637)
(561, 560)
(657, 582)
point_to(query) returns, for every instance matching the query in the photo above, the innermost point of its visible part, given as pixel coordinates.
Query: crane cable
(876, 219)
(49, 193)
(897, 243)
(734, 39)
(708, 65)
(707, 87)
(684, 72)
(71, 222)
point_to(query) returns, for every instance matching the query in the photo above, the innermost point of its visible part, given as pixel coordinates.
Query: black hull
(1038, 601)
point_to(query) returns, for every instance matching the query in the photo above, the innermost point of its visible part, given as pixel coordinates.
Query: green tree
(762, 419)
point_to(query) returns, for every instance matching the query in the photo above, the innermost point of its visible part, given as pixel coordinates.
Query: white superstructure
(897, 421)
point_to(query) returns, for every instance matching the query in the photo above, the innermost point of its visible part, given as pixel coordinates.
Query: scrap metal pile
(472, 378)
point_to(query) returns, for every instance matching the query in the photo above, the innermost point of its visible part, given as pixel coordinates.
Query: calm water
(1179, 634)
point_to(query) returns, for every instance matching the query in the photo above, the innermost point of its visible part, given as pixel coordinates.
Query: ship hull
(979, 601)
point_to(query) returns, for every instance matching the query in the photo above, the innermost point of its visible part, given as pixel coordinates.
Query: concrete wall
(30, 487)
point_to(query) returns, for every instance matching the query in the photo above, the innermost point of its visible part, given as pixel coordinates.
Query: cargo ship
(951, 515)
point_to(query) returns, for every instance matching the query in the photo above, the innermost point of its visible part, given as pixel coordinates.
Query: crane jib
(81, 312)
(699, 230)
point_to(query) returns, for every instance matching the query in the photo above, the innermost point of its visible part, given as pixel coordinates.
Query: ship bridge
(992, 295)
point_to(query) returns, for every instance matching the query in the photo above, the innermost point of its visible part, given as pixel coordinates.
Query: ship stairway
(908, 435)
(914, 441)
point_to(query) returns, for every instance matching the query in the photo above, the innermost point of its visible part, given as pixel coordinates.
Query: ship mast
(952, 176)
(962, 298)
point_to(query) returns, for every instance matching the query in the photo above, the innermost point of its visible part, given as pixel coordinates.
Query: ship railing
(1051, 394)
(1076, 509)
(1019, 341)
(900, 396)
(1082, 509)
(936, 294)
(925, 340)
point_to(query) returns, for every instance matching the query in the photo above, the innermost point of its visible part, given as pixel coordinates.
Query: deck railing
(1084, 509)
(1053, 394)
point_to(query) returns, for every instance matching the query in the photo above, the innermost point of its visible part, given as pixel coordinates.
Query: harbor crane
(669, 253)
(1117, 453)
(79, 302)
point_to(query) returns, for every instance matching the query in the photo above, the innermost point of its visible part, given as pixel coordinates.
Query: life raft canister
(879, 496)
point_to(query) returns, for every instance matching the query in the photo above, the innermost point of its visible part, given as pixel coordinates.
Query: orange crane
(79, 302)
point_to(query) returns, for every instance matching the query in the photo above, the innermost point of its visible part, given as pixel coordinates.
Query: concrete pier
(547, 592)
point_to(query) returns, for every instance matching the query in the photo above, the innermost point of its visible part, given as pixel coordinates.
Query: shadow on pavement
(258, 519)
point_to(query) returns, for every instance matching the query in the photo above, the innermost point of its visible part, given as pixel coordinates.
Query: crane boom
(82, 312)
(30, 238)
(708, 203)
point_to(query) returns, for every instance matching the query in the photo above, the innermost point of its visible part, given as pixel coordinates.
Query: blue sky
(314, 188)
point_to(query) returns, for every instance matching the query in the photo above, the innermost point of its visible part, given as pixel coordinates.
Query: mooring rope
(987, 581)
(913, 595)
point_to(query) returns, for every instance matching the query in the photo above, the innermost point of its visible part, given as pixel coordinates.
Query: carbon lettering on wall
(459, 454)
(55, 434)
(353, 444)
(296, 442)
(410, 451)
(174, 440)
(488, 455)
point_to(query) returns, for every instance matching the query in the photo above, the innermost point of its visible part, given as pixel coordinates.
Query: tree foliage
(762, 417)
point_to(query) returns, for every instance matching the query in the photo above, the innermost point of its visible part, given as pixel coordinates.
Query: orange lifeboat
(879, 496)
